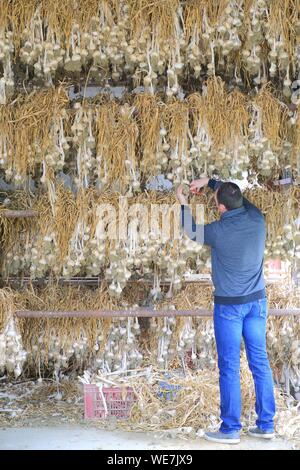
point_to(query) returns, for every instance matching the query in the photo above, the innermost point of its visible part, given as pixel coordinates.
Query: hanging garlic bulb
(78, 246)
(112, 45)
(295, 97)
(84, 143)
(12, 354)
(56, 152)
(4, 150)
(95, 253)
(287, 83)
(54, 351)
(259, 145)
(6, 58)
(205, 344)
(186, 339)
(266, 162)
(286, 245)
(41, 256)
(165, 352)
(118, 272)
(240, 161)
(121, 352)
(284, 350)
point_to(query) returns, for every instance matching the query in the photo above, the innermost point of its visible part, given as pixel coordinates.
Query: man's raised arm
(203, 234)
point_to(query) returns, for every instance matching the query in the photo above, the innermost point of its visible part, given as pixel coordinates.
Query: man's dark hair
(229, 194)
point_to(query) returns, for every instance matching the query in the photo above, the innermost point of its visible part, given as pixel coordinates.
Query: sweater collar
(233, 212)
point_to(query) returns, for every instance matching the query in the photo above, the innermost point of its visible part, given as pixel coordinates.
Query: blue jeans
(231, 322)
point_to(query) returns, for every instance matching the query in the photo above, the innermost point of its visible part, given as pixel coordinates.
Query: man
(237, 244)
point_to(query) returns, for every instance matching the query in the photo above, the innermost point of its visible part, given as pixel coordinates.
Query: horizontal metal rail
(138, 312)
(14, 214)
(96, 281)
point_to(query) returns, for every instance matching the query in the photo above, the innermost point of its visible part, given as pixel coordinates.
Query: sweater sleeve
(214, 184)
(204, 234)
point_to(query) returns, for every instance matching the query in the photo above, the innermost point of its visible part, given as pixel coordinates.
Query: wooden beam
(139, 312)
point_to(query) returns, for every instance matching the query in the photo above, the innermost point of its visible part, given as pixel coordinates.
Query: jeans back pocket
(263, 307)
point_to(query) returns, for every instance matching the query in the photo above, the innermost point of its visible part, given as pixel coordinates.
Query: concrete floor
(81, 438)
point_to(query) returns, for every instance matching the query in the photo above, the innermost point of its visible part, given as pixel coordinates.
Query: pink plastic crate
(117, 405)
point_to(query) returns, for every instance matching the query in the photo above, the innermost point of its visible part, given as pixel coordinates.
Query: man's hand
(196, 185)
(182, 199)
